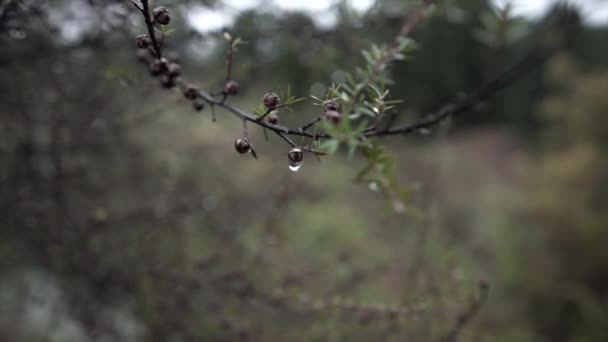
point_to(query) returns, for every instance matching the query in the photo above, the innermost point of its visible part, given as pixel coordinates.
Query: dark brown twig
(151, 30)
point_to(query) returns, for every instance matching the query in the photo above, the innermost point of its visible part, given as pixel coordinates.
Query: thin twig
(136, 6)
(533, 60)
(311, 123)
(151, 30)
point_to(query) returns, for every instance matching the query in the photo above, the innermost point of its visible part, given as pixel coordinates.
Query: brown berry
(295, 155)
(143, 41)
(333, 116)
(242, 146)
(331, 105)
(161, 15)
(272, 118)
(198, 104)
(271, 100)
(190, 91)
(231, 88)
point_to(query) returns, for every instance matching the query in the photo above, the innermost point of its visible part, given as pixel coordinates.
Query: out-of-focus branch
(533, 60)
(466, 316)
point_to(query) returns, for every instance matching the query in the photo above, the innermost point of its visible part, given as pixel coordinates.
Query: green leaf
(330, 146)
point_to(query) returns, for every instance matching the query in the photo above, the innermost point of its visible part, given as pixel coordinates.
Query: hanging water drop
(373, 186)
(295, 157)
(295, 166)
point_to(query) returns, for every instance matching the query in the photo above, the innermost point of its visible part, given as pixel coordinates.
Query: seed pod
(198, 104)
(231, 88)
(331, 105)
(271, 100)
(272, 118)
(158, 67)
(161, 15)
(242, 146)
(143, 41)
(190, 91)
(333, 116)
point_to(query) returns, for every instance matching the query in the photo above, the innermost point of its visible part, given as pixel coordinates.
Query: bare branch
(136, 6)
(151, 30)
(533, 60)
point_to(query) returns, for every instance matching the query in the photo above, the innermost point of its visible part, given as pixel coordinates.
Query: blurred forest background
(126, 216)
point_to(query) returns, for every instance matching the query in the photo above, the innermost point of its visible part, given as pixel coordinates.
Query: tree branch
(151, 30)
(533, 60)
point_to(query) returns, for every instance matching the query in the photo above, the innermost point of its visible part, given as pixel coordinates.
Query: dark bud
(331, 105)
(158, 67)
(190, 92)
(167, 81)
(174, 69)
(143, 41)
(198, 104)
(295, 155)
(333, 116)
(231, 88)
(161, 15)
(272, 118)
(271, 100)
(242, 146)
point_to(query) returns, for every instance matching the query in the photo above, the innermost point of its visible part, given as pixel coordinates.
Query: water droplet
(373, 186)
(295, 166)
(376, 110)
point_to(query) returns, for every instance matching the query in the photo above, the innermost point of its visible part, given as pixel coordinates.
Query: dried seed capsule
(333, 116)
(161, 15)
(158, 67)
(190, 91)
(242, 146)
(231, 88)
(331, 105)
(271, 100)
(143, 41)
(272, 118)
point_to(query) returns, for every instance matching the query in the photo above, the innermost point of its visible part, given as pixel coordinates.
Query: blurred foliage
(125, 216)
